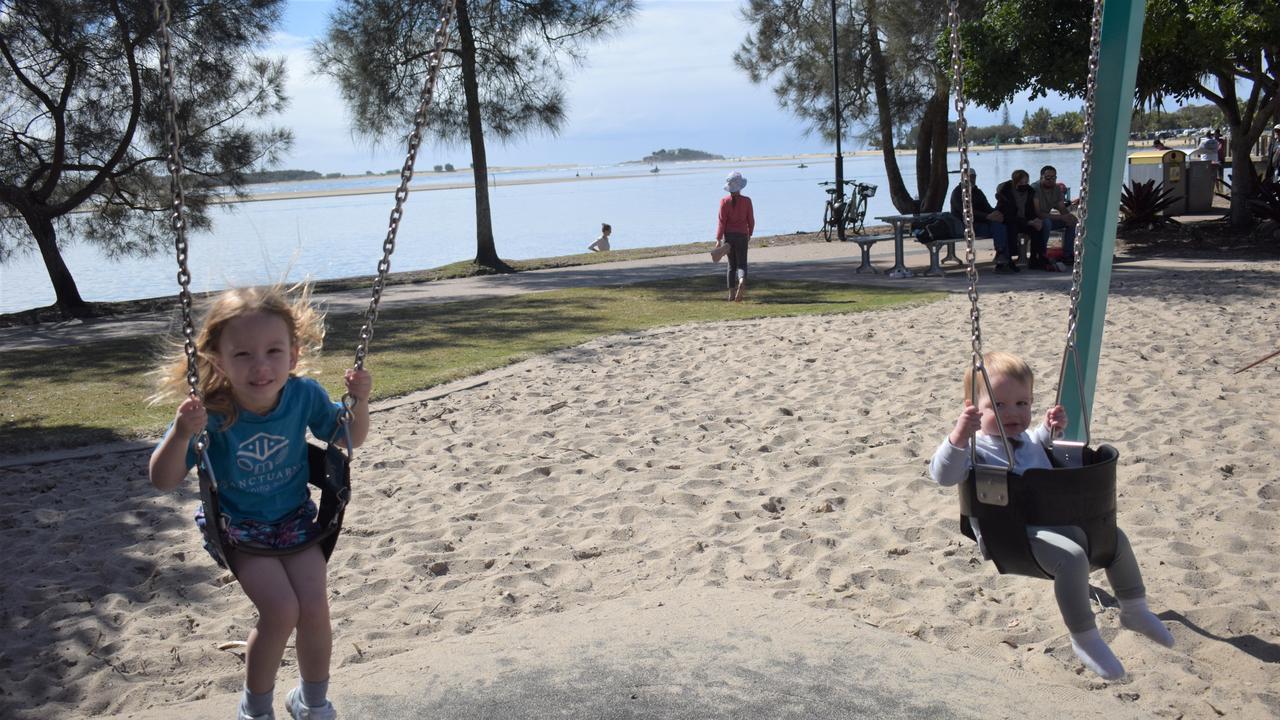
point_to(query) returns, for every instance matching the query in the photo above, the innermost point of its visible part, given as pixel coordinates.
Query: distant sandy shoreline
(679, 168)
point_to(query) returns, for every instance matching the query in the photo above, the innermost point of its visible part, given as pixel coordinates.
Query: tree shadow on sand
(86, 567)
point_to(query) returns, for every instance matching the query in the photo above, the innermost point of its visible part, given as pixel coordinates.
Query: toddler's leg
(1126, 580)
(265, 582)
(307, 573)
(1063, 556)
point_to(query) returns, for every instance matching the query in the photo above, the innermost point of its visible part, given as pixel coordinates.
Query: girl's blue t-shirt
(260, 462)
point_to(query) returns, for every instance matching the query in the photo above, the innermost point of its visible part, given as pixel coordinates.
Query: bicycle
(852, 214)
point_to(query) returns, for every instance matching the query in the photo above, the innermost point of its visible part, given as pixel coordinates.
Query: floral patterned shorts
(295, 529)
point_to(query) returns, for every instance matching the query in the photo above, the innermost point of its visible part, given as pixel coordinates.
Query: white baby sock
(1094, 653)
(1135, 615)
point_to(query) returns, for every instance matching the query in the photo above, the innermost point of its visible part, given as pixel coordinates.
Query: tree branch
(135, 112)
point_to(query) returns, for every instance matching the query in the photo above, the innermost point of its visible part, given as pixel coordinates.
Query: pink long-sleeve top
(735, 217)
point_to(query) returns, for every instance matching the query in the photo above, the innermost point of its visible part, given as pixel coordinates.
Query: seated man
(1052, 209)
(1016, 203)
(986, 221)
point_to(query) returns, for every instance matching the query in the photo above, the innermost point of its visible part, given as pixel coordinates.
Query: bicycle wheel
(827, 223)
(850, 216)
(859, 215)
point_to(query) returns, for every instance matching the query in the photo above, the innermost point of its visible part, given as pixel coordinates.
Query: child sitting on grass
(1060, 551)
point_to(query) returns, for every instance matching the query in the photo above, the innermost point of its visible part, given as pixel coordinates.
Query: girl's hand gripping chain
(359, 385)
(191, 418)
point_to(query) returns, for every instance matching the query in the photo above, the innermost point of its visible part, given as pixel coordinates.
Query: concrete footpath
(827, 262)
(688, 654)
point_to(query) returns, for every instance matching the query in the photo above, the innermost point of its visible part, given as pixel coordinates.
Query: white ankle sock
(256, 704)
(1094, 653)
(1135, 615)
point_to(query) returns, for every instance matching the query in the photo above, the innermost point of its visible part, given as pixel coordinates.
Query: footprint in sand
(773, 505)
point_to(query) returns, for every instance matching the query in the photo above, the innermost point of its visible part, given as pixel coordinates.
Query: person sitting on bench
(986, 221)
(1051, 205)
(1017, 203)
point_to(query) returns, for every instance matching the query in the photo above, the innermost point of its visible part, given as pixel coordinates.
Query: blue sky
(666, 81)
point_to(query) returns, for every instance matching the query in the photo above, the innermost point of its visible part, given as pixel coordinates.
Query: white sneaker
(242, 715)
(298, 711)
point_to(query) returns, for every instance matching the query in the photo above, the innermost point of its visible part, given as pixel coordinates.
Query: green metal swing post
(1120, 45)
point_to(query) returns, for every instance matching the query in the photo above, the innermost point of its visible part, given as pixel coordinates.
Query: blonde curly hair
(293, 305)
(998, 363)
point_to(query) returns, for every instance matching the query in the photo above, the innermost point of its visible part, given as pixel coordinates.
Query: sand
(778, 459)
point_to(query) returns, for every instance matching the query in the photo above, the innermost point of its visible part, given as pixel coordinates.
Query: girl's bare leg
(267, 584)
(307, 575)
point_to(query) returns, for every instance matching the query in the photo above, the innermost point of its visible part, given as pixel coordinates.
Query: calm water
(341, 236)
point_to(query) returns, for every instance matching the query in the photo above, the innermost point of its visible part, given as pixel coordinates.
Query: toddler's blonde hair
(293, 305)
(998, 363)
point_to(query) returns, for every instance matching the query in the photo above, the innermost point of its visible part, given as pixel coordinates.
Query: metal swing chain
(971, 269)
(402, 193)
(1077, 273)
(177, 218)
(971, 266)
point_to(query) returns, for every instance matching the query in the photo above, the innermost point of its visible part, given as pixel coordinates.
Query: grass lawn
(451, 271)
(72, 396)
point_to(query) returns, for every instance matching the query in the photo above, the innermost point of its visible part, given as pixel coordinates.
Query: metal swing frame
(1080, 489)
(330, 465)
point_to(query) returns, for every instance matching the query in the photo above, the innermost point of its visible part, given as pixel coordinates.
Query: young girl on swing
(1059, 550)
(257, 413)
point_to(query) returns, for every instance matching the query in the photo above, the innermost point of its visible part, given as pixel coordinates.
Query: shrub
(1143, 204)
(1265, 205)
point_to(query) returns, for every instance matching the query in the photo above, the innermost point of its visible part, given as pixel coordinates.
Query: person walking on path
(737, 221)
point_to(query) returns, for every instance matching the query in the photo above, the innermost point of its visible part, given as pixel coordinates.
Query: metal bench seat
(864, 244)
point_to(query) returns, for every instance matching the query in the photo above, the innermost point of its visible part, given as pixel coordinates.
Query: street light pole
(835, 111)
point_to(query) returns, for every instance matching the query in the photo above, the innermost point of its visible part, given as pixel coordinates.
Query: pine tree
(504, 73)
(83, 127)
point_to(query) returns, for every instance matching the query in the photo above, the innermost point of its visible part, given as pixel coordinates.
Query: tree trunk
(931, 157)
(486, 252)
(898, 193)
(1243, 178)
(924, 153)
(64, 285)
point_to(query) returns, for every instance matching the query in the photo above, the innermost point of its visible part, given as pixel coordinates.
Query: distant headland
(678, 155)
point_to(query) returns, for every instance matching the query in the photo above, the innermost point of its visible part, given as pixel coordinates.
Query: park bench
(935, 247)
(864, 244)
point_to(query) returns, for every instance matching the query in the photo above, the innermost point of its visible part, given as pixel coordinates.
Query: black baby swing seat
(1005, 503)
(330, 471)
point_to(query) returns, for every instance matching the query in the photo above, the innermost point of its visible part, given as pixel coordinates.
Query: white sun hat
(735, 182)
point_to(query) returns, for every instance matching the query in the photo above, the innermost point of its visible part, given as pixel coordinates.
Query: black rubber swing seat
(330, 471)
(1084, 497)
